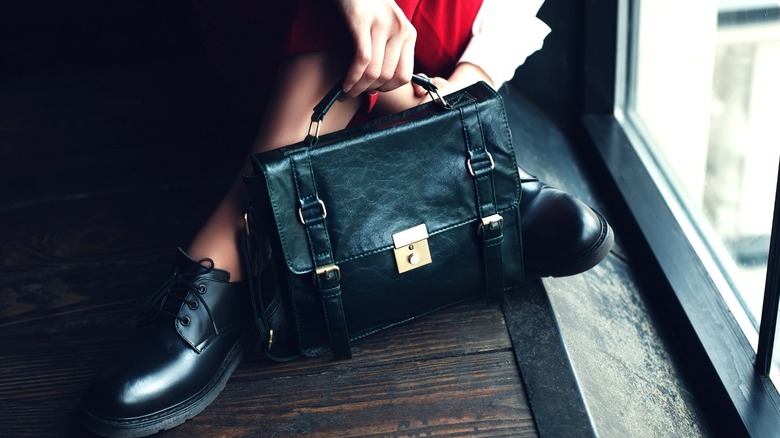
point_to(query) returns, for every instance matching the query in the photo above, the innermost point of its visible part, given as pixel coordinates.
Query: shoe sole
(593, 257)
(172, 417)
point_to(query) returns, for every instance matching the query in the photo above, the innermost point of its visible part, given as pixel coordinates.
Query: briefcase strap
(311, 213)
(322, 108)
(252, 257)
(480, 165)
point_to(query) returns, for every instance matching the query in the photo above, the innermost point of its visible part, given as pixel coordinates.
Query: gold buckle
(324, 212)
(315, 126)
(411, 248)
(492, 164)
(327, 269)
(490, 220)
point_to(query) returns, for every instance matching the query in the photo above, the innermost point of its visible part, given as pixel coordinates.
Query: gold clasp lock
(411, 248)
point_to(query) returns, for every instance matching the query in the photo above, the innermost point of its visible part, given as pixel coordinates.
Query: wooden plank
(475, 395)
(44, 376)
(65, 257)
(478, 395)
(72, 268)
(78, 266)
(466, 329)
(53, 348)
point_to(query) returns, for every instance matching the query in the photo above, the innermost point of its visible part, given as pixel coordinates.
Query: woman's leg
(198, 322)
(303, 81)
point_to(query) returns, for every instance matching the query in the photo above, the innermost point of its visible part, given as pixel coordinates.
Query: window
(688, 136)
(703, 93)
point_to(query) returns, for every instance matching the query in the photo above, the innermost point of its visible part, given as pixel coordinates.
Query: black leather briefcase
(381, 223)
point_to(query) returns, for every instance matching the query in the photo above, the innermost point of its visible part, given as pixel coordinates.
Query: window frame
(723, 358)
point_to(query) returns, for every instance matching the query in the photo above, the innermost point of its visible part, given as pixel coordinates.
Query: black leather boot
(198, 329)
(561, 235)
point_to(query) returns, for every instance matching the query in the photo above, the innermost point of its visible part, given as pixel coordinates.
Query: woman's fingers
(443, 85)
(384, 46)
(419, 91)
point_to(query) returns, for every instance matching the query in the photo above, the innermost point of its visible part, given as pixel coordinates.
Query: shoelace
(167, 299)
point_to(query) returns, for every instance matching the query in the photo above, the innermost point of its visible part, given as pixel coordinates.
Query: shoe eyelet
(201, 288)
(185, 321)
(192, 305)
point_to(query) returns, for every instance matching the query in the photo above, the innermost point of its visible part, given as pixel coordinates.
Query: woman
(200, 325)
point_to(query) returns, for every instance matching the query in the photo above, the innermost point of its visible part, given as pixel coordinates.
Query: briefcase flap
(393, 174)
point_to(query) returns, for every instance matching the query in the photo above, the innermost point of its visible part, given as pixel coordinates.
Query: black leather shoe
(179, 358)
(561, 235)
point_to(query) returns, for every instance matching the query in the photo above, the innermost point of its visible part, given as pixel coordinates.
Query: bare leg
(304, 80)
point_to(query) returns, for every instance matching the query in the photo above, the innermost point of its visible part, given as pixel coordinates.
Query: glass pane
(704, 92)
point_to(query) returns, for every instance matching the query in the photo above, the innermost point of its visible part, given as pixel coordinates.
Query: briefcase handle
(333, 95)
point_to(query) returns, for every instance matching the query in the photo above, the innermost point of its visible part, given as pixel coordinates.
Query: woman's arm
(504, 34)
(410, 95)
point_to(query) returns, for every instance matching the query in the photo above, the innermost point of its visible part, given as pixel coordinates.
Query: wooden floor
(104, 172)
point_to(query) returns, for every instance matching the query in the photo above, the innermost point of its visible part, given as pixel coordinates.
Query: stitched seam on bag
(511, 148)
(490, 174)
(386, 326)
(335, 299)
(471, 221)
(309, 350)
(328, 250)
(460, 99)
(387, 247)
(296, 306)
(516, 198)
(277, 218)
(496, 241)
(479, 181)
(331, 297)
(467, 139)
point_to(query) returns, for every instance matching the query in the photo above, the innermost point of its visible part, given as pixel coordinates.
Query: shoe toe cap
(142, 385)
(561, 235)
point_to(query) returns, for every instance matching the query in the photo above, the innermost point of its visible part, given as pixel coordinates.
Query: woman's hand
(411, 95)
(384, 46)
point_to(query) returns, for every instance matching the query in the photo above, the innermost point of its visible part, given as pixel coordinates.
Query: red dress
(443, 31)
(240, 35)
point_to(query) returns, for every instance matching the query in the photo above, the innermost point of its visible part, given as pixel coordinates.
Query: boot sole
(172, 417)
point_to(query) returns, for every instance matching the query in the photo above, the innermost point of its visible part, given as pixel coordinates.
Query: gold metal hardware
(471, 170)
(486, 221)
(411, 248)
(315, 126)
(246, 223)
(437, 97)
(326, 270)
(324, 212)
(270, 339)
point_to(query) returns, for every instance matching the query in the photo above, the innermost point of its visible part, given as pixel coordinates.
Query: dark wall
(38, 34)
(43, 34)
(46, 35)
(118, 94)
(551, 78)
